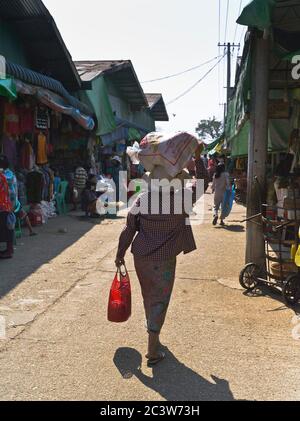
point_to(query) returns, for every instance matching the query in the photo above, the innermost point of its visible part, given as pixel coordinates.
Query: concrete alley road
(223, 345)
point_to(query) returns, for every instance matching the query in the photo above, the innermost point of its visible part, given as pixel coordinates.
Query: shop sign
(279, 109)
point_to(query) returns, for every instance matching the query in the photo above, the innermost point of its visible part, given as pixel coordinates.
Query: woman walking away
(221, 183)
(160, 238)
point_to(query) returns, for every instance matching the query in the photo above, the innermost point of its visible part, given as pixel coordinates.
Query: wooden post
(258, 147)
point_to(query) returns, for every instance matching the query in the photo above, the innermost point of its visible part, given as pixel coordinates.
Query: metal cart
(280, 270)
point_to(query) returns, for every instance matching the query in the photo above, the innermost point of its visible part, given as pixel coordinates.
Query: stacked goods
(173, 152)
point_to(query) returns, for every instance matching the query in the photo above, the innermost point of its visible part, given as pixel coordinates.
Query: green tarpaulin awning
(134, 134)
(258, 14)
(8, 89)
(214, 144)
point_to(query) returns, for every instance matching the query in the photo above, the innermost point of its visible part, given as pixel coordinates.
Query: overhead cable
(197, 83)
(183, 72)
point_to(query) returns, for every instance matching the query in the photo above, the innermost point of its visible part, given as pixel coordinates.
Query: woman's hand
(119, 262)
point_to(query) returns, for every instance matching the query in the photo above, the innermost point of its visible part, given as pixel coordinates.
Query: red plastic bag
(119, 304)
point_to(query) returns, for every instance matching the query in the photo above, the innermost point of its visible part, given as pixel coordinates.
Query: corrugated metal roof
(90, 70)
(41, 39)
(121, 73)
(22, 8)
(37, 79)
(157, 107)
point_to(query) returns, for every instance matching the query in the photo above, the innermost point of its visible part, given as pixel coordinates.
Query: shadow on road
(32, 252)
(232, 228)
(172, 380)
(273, 293)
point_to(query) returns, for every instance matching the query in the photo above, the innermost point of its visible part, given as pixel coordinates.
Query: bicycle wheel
(291, 289)
(249, 276)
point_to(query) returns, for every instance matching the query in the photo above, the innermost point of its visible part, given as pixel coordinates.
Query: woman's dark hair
(220, 169)
(4, 163)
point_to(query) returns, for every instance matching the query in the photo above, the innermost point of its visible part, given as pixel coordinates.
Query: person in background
(6, 234)
(13, 195)
(221, 183)
(80, 180)
(90, 197)
(212, 166)
(157, 240)
(57, 181)
(116, 168)
(205, 160)
(221, 159)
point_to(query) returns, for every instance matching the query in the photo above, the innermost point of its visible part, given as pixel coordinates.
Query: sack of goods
(132, 152)
(171, 151)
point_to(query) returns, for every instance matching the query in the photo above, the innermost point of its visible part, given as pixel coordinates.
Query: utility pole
(228, 46)
(223, 104)
(258, 147)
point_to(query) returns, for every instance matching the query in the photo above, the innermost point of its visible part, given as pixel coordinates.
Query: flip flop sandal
(154, 361)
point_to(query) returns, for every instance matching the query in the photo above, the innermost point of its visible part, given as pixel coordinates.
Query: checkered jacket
(159, 236)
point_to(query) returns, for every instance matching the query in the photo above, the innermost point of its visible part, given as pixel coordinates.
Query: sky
(161, 38)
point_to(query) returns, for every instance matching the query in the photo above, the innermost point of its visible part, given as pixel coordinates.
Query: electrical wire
(219, 23)
(226, 23)
(236, 28)
(182, 73)
(197, 83)
(219, 53)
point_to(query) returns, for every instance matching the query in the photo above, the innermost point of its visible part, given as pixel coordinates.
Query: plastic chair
(18, 229)
(61, 198)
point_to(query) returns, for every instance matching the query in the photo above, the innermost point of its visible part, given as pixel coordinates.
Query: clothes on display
(9, 149)
(80, 178)
(11, 119)
(35, 185)
(27, 156)
(22, 196)
(26, 119)
(42, 157)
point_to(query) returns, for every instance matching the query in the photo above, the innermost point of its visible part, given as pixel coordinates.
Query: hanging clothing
(80, 178)
(11, 119)
(9, 146)
(27, 157)
(22, 192)
(26, 120)
(35, 184)
(42, 157)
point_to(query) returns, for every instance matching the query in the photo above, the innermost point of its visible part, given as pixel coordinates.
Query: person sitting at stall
(13, 194)
(79, 184)
(89, 198)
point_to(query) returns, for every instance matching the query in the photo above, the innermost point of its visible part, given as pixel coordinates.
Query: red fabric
(26, 120)
(5, 203)
(119, 305)
(12, 120)
(25, 156)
